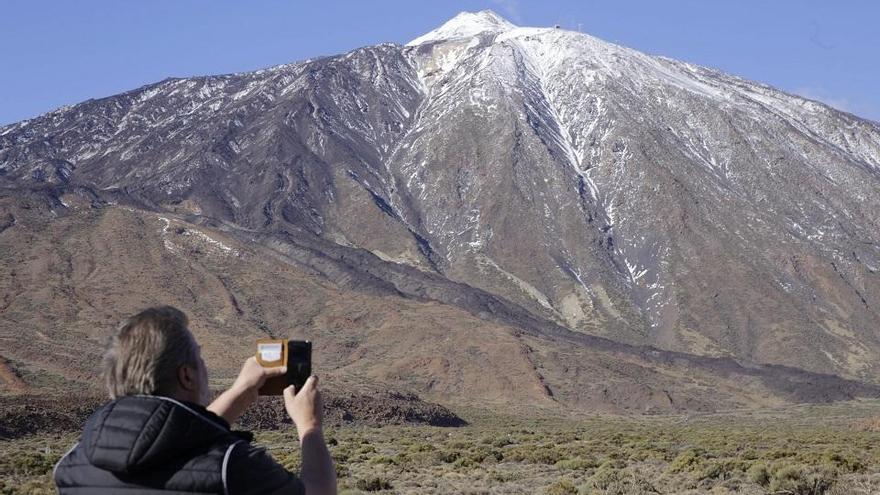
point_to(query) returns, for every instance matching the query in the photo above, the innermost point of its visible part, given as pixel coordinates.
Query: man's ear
(187, 378)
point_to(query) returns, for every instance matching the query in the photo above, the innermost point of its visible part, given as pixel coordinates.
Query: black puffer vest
(143, 444)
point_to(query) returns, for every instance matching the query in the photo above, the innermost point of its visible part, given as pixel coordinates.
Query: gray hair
(143, 356)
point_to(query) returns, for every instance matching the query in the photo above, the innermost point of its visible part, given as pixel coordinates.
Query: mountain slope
(67, 278)
(577, 184)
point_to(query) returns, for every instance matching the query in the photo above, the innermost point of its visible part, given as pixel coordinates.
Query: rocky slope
(540, 184)
(69, 274)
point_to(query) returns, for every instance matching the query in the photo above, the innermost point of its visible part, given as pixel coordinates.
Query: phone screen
(299, 362)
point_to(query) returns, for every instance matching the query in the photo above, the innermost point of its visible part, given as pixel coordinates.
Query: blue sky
(62, 52)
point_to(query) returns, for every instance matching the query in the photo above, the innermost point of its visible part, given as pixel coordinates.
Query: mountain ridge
(594, 188)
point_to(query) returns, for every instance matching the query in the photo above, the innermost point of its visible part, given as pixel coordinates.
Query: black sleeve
(251, 470)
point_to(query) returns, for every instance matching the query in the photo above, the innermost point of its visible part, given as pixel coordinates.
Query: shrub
(290, 460)
(496, 441)
(714, 470)
(502, 442)
(759, 474)
(749, 454)
(505, 477)
(779, 454)
(44, 486)
(796, 481)
(533, 454)
(383, 459)
(28, 463)
(577, 464)
(365, 449)
(374, 484)
(448, 456)
(689, 460)
(420, 447)
(840, 462)
(562, 487)
(721, 469)
(606, 476)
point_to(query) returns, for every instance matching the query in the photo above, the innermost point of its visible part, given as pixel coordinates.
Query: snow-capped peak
(464, 25)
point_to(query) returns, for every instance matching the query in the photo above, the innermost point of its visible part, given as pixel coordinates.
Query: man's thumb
(289, 392)
(311, 382)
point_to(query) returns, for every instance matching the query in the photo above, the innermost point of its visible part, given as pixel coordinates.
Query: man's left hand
(252, 376)
(232, 403)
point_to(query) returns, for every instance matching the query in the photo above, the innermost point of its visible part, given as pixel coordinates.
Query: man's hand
(304, 407)
(231, 404)
(252, 376)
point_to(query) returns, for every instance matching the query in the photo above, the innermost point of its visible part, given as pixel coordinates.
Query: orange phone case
(275, 385)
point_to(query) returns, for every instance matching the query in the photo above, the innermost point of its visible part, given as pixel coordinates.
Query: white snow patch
(214, 246)
(465, 25)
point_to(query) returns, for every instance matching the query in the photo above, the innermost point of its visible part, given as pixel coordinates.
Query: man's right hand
(304, 407)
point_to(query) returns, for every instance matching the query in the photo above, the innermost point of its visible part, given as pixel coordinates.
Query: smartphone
(295, 354)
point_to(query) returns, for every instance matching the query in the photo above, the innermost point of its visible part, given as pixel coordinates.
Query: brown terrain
(70, 274)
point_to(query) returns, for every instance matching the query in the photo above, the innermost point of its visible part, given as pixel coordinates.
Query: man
(159, 434)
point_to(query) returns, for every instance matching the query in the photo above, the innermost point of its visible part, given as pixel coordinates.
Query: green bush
(779, 454)
(795, 480)
(721, 469)
(496, 441)
(688, 460)
(759, 474)
(577, 464)
(365, 449)
(606, 476)
(562, 487)
(28, 463)
(534, 454)
(420, 447)
(374, 484)
(383, 459)
(43, 486)
(843, 463)
(448, 456)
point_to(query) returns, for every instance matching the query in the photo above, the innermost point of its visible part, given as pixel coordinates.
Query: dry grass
(802, 450)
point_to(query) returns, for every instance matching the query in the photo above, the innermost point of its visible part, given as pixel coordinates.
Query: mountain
(556, 205)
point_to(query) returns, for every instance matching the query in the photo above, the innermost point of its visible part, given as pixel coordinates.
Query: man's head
(154, 353)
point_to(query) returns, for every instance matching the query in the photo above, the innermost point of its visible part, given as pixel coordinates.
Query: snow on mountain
(464, 25)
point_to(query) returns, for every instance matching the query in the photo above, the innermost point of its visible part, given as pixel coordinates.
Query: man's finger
(311, 382)
(276, 371)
